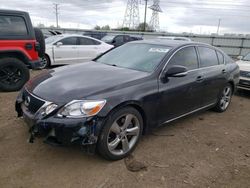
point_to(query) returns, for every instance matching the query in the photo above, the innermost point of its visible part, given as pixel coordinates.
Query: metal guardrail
(232, 45)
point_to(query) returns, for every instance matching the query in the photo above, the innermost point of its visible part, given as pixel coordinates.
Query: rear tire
(120, 134)
(224, 99)
(13, 74)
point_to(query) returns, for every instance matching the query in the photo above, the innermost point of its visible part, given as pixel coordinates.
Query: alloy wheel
(226, 97)
(123, 134)
(44, 63)
(10, 75)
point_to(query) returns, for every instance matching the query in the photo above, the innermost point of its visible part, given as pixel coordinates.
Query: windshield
(108, 38)
(142, 57)
(247, 57)
(52, 39)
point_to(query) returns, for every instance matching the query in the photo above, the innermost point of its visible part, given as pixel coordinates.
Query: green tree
(106, 27)
(97, 27)
(140, 27)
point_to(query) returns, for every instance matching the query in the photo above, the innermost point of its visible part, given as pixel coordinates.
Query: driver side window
(186, 57)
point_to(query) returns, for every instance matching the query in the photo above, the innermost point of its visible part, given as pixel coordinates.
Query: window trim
(211, 49)
(24, 21)
(218, 52)
(95, 41)
(198, 55)
(77, 42)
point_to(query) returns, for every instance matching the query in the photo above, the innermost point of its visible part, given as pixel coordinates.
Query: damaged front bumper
(61, 131)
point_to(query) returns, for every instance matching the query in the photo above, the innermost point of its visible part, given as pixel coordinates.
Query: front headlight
(82, 108)
(47, 109)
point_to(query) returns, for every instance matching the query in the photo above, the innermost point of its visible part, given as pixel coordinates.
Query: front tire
(120, 134)
(13, 74)
(224, 99)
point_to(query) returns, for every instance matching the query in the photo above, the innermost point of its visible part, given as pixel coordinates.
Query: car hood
(80, 81)
(244, 65)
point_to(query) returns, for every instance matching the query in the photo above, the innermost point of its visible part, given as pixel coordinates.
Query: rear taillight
(28, 46)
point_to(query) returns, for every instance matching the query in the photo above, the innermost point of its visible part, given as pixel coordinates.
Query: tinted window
(108, 38)
(142, 57)
(208, 57)
(12, 25)
(126, 38)
(119, 39)
(69, 41)
(186, 57)
(220, 57)
(87, 41)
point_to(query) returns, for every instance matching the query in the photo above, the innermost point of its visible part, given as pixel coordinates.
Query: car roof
(76, 35)
(169, 43)
(6, 11)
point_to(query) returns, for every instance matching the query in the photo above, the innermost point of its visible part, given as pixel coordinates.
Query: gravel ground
(207, 149)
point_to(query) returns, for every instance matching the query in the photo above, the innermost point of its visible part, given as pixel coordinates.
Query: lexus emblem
(27, 101)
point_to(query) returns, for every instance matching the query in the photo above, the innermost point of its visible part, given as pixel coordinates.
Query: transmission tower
(131, 17)
(154, 22)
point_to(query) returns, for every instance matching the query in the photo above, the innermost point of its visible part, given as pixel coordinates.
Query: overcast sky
(196, 16)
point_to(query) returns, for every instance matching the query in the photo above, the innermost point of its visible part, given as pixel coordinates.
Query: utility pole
(56, 7)
(145, 15)
(218, 28)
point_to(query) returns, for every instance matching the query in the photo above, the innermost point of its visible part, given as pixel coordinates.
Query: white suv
(244, 64)
(71, 49)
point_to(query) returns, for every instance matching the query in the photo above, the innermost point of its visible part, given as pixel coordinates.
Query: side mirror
(176, 71)
(240, 57)
(58, 44)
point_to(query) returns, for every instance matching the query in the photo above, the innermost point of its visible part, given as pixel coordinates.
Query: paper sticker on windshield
(159, 50)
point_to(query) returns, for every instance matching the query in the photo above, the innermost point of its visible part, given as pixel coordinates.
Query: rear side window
(208, 57)
(220, 57)
(186, 57)
(87, 41)
(119, 39)
(69, 41)
(127, 38)
(12, 26)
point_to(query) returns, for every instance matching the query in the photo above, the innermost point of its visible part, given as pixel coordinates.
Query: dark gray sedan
(108, 103)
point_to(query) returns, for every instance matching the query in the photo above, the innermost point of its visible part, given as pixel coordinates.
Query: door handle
(200, 78)
(74, 47)
(224, 71)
